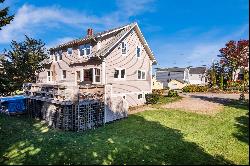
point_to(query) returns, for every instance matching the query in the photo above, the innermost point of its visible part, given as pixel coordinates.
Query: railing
(60, 93)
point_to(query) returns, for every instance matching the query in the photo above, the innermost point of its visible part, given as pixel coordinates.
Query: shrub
(152, 98)
(195, 88)
(173, 93)
(158, 91)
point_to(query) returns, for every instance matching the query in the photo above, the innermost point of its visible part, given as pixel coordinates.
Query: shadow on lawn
(132, 141)
(242, 122)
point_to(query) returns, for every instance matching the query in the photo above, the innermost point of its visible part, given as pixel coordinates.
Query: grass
(166, 100)
(150, 137)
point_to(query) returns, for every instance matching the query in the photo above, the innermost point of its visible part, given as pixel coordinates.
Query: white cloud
(132, 7)
(189, 47)
(32, 20)
(59, 41)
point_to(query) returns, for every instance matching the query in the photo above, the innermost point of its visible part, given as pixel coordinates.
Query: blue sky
(179, 32)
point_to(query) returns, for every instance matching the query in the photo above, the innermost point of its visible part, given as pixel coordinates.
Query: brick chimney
(90, 32)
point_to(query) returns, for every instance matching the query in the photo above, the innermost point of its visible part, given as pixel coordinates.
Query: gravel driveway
(203, 103)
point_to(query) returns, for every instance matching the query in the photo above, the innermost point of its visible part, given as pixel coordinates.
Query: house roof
(181, 81)
(173, 69)
(197, 70)
(116, 35)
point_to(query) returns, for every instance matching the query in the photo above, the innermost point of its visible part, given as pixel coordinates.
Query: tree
(21, 63)
(236, 55)
(4, 17)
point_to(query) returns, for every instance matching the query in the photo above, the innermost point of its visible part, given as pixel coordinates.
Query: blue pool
(12, 104)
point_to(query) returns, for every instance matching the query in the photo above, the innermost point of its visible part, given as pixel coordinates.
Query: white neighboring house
(195, 76)
(238, 74)
(188, 75)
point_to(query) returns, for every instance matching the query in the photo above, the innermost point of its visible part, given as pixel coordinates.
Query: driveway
(203, 103)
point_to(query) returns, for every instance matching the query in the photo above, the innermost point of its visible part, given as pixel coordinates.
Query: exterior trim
(141, 75)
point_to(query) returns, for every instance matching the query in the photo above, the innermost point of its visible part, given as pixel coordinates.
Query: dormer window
(138, 51)
(69, 51)
(124, 48)
(84, 50)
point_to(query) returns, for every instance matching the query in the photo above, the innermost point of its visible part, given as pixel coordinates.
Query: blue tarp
(12, 104)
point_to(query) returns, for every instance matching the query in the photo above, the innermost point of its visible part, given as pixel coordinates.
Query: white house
(195, 76)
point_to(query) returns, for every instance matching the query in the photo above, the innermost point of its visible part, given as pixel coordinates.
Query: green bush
(152, 98)
(158, 91)
(173, 93)
(195, 88)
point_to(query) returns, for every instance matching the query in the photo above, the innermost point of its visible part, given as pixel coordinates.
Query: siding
(71, 69)
(164, 77)
(131, 86)
(196, 79)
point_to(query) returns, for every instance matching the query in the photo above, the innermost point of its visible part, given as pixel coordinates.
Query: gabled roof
(117, 34)
(197, 70)
(173, 69)
(181, 81)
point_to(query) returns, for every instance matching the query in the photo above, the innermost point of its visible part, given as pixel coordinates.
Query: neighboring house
(118, 59)
(195, 75)
(239, 73)
(176, 84)
(189, 75)
(156, 84)
(167, 74)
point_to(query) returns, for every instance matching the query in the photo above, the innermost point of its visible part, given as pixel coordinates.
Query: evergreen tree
(4, 17)
(21, 63)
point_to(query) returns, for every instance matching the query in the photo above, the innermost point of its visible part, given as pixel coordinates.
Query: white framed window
(124, 48)
(140, 96)
(69, 51)
(123, 72)
(49, 76)
(64, 74)
(85, 50)
(141, 75)
(138, 51)
(116, 75)
(120, 73)
(97, 75)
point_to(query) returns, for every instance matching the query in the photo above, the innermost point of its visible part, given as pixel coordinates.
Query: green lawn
(150, 137)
